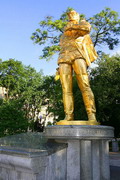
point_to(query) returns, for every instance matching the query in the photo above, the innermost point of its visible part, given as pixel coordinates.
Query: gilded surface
(77, 53)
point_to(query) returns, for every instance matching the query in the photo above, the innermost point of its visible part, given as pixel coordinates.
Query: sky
(20, 18)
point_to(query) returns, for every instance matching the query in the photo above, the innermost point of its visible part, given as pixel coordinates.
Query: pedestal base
(87, 152)
(78, 122)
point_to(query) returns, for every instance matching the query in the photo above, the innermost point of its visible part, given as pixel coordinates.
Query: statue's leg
(80, 69)
(66, 81)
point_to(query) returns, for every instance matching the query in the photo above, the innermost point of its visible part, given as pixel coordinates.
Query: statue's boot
(88, 98)
(91, 117)
(69, 117)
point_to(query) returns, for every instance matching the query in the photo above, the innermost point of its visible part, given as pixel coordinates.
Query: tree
(12, 118)
(31, 94)
(106, 28)
(52, 97)
(106, 87)
(22, 84)
(12, 76)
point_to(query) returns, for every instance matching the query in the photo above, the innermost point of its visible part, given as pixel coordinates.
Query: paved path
(114, 166)
(115, 159)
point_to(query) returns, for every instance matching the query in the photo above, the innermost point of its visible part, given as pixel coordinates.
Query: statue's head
(73, 16)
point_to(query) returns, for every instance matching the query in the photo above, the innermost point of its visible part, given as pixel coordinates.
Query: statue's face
(73, 16)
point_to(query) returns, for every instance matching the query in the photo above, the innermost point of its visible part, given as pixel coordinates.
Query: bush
(12, 118)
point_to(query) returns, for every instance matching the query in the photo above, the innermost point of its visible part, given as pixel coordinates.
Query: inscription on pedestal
(79, 132)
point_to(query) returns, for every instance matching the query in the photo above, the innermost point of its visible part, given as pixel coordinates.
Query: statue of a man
(76, 54)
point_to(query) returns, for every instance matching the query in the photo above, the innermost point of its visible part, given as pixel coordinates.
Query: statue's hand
(57, 75)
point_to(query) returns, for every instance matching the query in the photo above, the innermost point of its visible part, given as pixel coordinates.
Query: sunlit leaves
(106, 28)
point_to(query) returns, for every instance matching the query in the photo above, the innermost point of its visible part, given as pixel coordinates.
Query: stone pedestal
(30, 157)
(87, 152)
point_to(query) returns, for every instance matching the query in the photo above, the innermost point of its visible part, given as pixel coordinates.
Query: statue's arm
(83, 26)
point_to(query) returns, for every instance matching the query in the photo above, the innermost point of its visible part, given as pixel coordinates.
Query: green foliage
(106, 87)
(106, 28)
(53, 97)
(22, 84)
(105, 31)
(11, 76)
(30, 94)
(28, 90)
(12, 118)
(49, 33)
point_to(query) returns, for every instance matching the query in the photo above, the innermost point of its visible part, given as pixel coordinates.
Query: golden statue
(76, 54)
